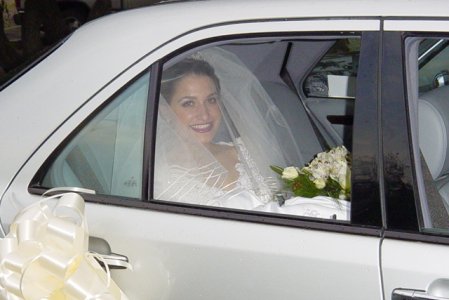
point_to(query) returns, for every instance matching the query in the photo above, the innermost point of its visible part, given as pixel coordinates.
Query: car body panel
(186, 256)
(415, 268)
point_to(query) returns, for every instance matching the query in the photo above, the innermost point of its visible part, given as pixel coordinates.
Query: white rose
(340, 151)
(319, 183)
(324, 157)
(290, 173)
(320, 173)
(339, 169)
(345, 180)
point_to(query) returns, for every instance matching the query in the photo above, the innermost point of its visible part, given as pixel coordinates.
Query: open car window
(233, 133)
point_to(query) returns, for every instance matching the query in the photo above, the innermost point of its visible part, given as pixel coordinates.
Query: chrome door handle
(114, 261)
(437, 290)
(408, 294)
(101, 248)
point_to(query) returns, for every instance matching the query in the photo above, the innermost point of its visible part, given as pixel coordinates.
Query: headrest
(434, 130)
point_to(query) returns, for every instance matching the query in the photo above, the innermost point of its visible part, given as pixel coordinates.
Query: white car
(367, 75)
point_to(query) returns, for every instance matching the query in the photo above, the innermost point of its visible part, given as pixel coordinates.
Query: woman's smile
(202, 128)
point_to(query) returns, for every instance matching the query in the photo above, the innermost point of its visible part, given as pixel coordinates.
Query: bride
(218, 132)
(192, 91)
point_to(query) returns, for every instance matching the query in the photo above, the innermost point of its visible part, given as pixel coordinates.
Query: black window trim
(401, 211)
(398, 107)
(240, 215)
(404, 220)
(373, 229)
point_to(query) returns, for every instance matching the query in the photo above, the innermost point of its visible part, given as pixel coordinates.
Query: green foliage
(328, 174)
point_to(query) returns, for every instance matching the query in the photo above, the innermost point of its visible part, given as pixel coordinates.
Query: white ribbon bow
(45, 255)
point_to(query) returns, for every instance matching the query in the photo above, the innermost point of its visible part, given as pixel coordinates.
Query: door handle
(115, 261)
(437, 290)
(101, 248)
(340, 120)
(408, 294)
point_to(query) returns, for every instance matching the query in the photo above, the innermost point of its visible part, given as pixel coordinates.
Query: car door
(415, 243)
(185, 251)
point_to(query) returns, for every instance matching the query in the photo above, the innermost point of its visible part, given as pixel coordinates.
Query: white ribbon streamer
(45, 255)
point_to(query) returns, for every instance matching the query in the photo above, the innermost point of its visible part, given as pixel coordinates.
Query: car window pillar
(401, 211)
(365, 207)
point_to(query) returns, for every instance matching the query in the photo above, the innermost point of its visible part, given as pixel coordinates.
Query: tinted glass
(335, 73)
(429, 94)
(106, 154)
(433, 64)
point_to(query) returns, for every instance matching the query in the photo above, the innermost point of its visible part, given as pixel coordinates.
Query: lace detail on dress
(196, 186)
(204, 185)
(250, 177)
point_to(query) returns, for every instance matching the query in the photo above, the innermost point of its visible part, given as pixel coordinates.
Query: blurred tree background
(43, 25)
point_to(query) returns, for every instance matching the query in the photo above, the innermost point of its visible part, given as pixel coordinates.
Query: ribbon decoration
(45, 255)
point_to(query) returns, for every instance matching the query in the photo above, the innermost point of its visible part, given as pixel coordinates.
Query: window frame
(364, 182)
(402, 210)
(425, 232)
(271, 218)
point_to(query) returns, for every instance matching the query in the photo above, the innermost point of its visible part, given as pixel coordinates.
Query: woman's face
(195, 102)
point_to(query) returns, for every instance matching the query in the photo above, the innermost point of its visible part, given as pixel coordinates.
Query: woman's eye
(187, 103)
(213, 100)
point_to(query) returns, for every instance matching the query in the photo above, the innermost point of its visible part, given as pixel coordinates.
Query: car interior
(283, 67)
(433, 111)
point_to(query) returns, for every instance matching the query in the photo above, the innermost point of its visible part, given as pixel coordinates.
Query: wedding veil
(186, 171)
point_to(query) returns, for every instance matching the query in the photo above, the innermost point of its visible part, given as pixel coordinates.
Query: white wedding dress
(249, 192)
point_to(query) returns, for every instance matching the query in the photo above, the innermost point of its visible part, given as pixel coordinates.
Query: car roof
(43, 98)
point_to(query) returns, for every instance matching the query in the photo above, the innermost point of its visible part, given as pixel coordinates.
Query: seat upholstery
(434, 136)
(295, 115)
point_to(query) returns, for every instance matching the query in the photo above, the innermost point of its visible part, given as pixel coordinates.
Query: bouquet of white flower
(328, 174)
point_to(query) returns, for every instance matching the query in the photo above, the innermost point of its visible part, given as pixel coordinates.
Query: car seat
(433, 121)
(296, 117)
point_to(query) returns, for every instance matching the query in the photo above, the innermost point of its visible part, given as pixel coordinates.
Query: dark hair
(172, 75)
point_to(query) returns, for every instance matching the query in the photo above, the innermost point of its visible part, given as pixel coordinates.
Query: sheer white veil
(186, 171)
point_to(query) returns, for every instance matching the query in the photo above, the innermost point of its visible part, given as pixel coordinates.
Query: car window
(232, 133)
(433, 64)
(428, 59)
(335, 73)
(106, 154)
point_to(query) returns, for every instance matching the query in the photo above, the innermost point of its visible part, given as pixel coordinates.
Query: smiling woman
(202, 150)
(218, 133)
(192, 90)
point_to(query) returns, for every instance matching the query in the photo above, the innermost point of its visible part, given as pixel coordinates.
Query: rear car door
(415, 246)
(182, 251)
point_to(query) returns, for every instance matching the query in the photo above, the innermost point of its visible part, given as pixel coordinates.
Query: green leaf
(277, 169)
(304, 187)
